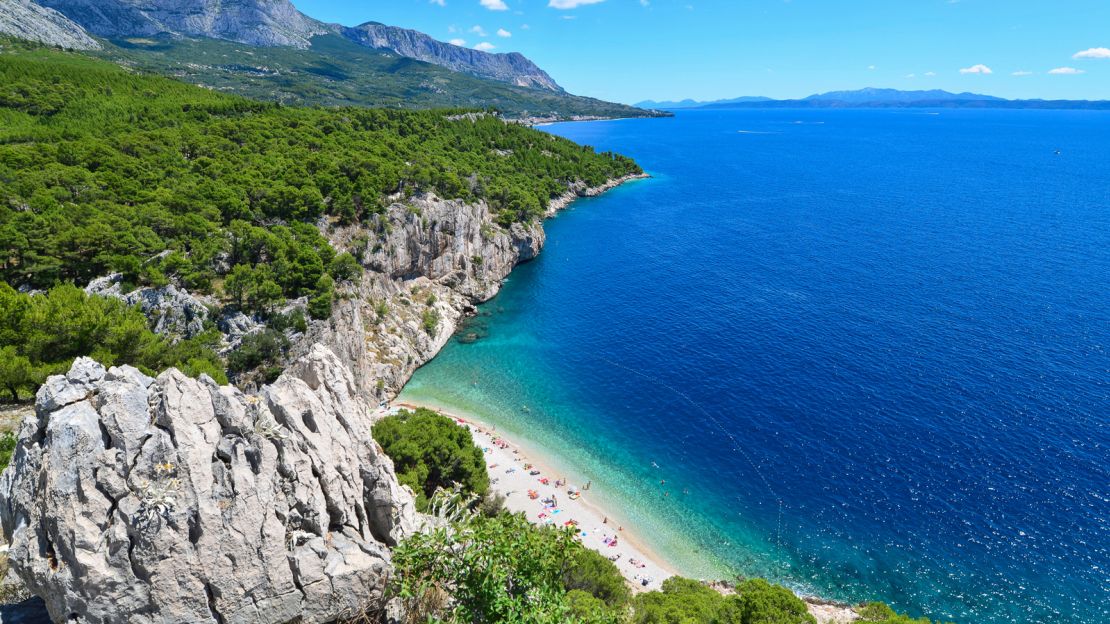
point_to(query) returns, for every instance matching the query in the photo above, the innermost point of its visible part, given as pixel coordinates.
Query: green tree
(680, 601)
(430, 451)
(759, 602)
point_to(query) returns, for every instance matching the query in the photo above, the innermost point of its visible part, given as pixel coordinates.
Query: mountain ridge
(871, 97)
(278, 23)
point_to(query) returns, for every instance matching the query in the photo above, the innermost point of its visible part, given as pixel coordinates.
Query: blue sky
(631, 50)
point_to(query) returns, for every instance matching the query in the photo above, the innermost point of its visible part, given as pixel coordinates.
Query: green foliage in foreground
(101, 169)
(431, 452)
(683, 601)
(497, 569)
(7, 448)
(41, 335)
(501, 568)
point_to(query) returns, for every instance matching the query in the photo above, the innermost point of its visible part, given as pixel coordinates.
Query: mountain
(26, 20)
(688, 103)
(873, 96)
(277, 23)
(894, 98)
(512, 68)
(256, 22)
(334, 71)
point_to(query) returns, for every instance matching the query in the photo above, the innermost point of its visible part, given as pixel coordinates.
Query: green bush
(759, 602)
(267, 347)
(496, 569)
(430, 451)
(880, 613)
(591, 572)
(681, 601)
(7, 448)
(102, 168)
(41, 335)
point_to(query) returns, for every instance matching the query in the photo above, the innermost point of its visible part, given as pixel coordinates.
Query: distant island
(882, 98)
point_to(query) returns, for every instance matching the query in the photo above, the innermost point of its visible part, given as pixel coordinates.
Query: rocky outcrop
(177, 500)
(171, 311)
(27, 20)
(512, 68)
(427, 259)
(255, 22)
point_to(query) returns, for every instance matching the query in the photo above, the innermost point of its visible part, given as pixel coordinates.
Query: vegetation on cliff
(103, 170)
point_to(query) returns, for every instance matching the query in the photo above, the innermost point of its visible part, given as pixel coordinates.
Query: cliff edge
(173, 499)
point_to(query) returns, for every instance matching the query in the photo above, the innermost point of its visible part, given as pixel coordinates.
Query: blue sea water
(863, 353)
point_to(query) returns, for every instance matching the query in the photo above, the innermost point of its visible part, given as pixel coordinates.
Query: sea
(863, 353)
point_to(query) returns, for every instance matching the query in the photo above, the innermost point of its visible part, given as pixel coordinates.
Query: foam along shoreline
(510, 467)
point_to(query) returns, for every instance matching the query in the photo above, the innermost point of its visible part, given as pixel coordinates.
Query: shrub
(7, 448)
(264, 347)
(759, 602)
(430, 321)
(430, 451)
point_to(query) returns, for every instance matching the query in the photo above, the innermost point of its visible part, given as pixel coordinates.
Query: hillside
(267, 49)
(336, 72)
(169, 186)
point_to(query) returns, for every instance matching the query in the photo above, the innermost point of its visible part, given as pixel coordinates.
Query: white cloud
(494, 5)
(1066, 71)
(1093, 53)
(501, 32)
(977, 69)
(930, 74)
(478, 30)
(457, 42)
(871, 67)
(439, 2)
(911, 75)
(570, 4)
(485, 46)
(1022, 72)
(525, 27)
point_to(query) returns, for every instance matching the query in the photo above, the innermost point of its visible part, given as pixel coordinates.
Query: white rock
(176, 500)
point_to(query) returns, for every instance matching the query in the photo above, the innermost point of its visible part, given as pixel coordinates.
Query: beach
(510, 466)
(511, 469)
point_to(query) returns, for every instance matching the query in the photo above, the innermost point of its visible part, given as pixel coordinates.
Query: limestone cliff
(177, 500)
(426, 258)
(26, 20)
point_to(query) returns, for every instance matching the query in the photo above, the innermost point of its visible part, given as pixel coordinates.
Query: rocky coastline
(127, 496)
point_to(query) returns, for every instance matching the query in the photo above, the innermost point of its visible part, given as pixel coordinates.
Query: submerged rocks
(178, 500)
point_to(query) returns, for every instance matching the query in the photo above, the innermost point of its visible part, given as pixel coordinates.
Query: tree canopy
(430, 451)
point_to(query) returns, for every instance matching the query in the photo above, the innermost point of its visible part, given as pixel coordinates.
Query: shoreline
(589, 513)
(637, 561)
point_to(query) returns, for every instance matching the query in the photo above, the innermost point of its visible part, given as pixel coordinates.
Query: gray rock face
(255, 22)
(426, 258)
(279, 23)
(27, 20)
(513, 68)
(171, 311)
(177, 500)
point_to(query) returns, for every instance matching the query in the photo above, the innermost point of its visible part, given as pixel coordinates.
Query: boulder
(178, 500)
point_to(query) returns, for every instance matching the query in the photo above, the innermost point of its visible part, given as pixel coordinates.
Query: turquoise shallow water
(865, 351)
